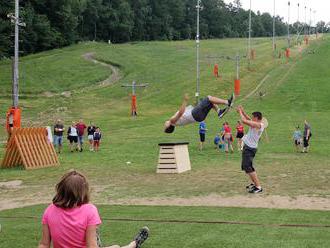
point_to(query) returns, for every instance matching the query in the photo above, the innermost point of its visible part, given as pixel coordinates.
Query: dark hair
(71, 191)
(257, 115)
(170, 129)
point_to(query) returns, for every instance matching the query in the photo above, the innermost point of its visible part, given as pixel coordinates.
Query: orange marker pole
(237, 85)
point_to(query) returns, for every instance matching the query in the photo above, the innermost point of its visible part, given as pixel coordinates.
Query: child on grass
(71, 221)
(297, 138)
(97, 138)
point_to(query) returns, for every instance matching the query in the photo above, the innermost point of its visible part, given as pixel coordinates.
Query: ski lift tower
(13, 118)
(133, 101)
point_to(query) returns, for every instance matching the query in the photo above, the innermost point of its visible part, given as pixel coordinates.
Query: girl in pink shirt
(71, 221)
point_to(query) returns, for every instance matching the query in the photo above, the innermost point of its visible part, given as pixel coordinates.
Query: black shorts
(239, 135)
(306, 142)
(73, 139)
(247, 159)
(202, 137)
(202, 109)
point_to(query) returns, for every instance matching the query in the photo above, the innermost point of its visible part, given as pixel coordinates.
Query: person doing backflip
(189, 114)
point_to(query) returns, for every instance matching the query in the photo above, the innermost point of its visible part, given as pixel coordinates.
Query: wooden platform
(30, 148)
(173, 158)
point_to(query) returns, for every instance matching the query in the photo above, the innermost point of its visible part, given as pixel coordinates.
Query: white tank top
(186, 118)
(252, 138)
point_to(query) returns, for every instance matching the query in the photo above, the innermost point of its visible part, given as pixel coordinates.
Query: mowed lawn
(185, 227)
(294, 91)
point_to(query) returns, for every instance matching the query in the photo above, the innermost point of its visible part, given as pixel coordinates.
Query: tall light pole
(249, 40)
(274, 46)
(197, 52)
(15, 19)
(289, 24)
(305, 20)
(310, 20)
(314, 12)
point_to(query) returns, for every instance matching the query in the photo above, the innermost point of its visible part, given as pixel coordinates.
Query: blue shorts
(58, 140)
(80, 139)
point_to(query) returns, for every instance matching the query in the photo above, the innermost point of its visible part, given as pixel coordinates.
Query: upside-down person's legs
(217, 101)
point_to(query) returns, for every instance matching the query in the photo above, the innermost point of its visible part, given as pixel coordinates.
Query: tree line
(57, 23)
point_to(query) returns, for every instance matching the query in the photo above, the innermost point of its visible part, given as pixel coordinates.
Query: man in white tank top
(250, 141)
(189, 114)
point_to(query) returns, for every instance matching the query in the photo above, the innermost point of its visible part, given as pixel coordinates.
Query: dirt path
(114, 77)
(248, 201)
(214, 200)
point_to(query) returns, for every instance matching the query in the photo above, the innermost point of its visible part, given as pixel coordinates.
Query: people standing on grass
(250, 140)
(97, 139)
(202, 133)
(72, 221)
(297, 138)
(239, 135)
(307, 137)
(58, 135)
(90, 135)
(81, 131)
(73, 137)
(228, 137)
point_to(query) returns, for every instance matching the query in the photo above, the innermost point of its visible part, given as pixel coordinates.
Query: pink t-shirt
(68, 226)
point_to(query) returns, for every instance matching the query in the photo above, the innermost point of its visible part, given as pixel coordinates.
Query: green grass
(169, 69)
(261, 229)
(295, 91)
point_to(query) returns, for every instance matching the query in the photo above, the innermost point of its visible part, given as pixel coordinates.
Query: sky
(322, 8)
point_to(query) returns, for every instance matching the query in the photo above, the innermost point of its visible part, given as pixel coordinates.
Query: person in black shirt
(58, 135)
(90, 132)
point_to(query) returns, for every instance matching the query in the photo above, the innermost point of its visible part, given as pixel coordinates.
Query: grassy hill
(294, 91)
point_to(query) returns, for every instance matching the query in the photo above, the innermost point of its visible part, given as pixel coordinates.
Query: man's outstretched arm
(182, 108)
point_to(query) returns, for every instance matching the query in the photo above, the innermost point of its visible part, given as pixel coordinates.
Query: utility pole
(237, 82)
(14, 113)
(310, 21)
(15, 19)
(314, 12)
(289, 24)
(274, 46)
(133, 101)
(305, 21)
(198, 7)
(249, 40)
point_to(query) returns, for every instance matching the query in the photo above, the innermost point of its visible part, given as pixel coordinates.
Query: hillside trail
(114, 77)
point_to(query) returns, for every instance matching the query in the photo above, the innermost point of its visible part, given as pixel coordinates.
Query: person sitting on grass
(97, 139)
(72, 221)
(250, 141)
(297, 138)
(189, 114)
(217, 141)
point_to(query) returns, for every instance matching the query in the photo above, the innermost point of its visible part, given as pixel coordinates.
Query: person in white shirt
(189, 114)
(73, 136)
(250, 141)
